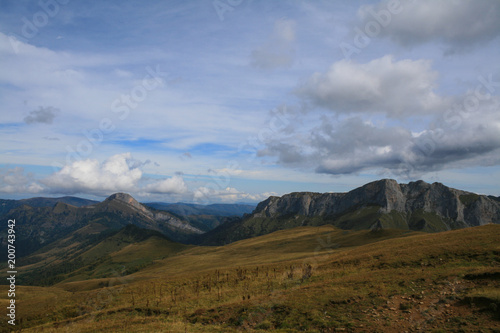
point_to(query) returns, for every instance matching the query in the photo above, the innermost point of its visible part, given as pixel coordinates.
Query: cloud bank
(371, 106)
(118, 173)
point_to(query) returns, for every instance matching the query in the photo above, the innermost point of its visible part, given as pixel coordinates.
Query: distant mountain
(381, 204)
(7, 205)
(48, 202)
(38, 226)
(186, 209)
(204, 217)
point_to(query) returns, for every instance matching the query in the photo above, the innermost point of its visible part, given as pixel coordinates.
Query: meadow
(306, 279)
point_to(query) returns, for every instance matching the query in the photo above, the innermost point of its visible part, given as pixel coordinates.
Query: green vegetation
(358, 219)
(428, 222)
(468, 199)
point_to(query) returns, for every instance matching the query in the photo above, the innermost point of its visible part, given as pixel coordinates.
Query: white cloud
(123, 173)
(173, 185)
(204, 195)
(458, 24)
(383, 85)
(89, 176)
(16, 181)
(278, 50)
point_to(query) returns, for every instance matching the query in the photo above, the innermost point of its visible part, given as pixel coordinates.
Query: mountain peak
(122, 197)
(129, 200)
(126, 198)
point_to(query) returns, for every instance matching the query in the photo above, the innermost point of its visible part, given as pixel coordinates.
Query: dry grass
(314, 279)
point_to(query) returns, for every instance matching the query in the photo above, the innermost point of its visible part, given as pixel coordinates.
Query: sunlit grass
(309, 279)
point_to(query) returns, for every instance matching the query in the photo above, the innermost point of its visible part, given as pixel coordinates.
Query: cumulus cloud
(44, 115)
(173, 185)
(119, 173)
(15, 180)
(383, 85)
(116, 174)
(278, 50)
(458, 24)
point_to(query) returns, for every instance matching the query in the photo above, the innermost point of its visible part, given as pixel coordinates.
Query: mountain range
(38, 225)
(383, 204)
(308, 261)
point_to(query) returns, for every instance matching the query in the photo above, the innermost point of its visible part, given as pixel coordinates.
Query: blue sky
(233, 101)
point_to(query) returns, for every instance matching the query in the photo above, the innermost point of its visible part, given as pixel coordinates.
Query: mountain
(47, 202)
(186, 209)
(38, 226)
(7, 205)
(382, 204)
(105, 273)
(204, 217)
(132, 212)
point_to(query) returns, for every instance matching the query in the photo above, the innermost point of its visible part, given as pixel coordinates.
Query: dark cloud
(458, 24)
(354, 145)
(44, 115)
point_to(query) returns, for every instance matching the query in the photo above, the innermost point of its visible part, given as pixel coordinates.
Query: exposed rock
(445, 202)
(377, 205)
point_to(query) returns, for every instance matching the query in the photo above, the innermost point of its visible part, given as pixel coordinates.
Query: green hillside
(95, 252)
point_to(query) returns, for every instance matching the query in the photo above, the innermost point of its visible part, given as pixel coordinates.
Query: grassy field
(307, 279)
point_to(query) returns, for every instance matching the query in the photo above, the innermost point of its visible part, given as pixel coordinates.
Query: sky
(236, 100)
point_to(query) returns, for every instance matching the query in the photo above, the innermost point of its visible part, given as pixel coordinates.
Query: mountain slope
(415, 206)
(132, 211)
(37, 227)
(304, 279)
(89, 253)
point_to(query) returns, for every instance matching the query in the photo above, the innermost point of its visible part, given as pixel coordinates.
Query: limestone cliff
(416, 206)
(389, 196)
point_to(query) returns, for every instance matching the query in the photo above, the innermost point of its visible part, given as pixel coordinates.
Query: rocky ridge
(159, 219)
(382, 204)
(460, 206)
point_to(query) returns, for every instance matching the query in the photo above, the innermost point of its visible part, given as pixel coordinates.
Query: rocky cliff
(467, 208)
(416, 206)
